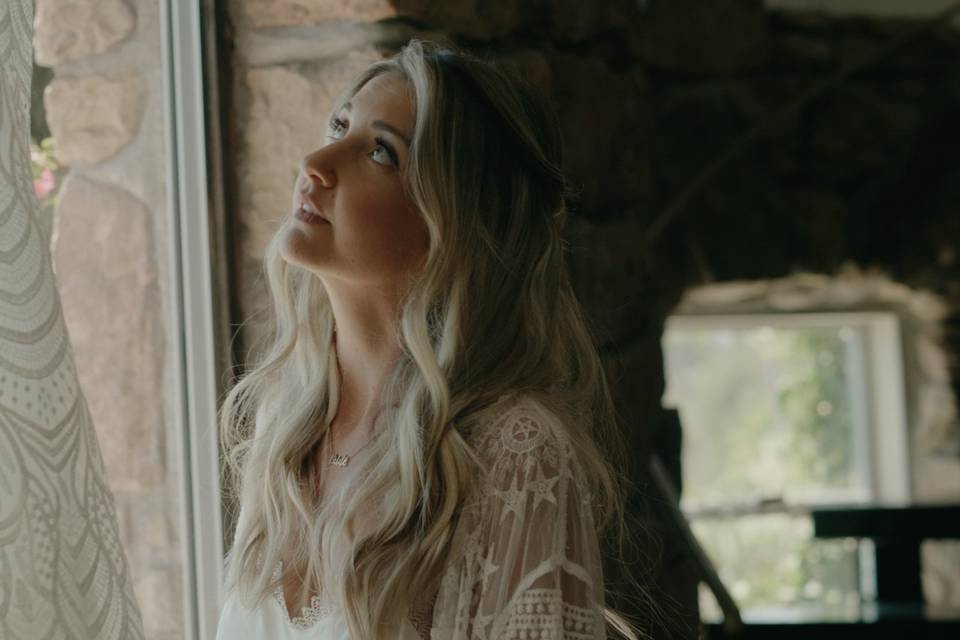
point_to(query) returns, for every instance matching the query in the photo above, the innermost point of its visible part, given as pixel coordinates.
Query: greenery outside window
(782, 413)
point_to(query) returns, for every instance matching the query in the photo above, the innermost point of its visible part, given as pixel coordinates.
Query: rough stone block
(149, 529)
(533, 66)
(108, 280)
(283, 13)
(692, 36)
(610, 163)
(255, 305)
(609, 273)
(570, 21)
(287, 118)
(479, 20)
(71, 29)
(472, 19)
(91, 118)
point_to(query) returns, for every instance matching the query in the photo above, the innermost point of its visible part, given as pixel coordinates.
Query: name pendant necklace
(342, 459)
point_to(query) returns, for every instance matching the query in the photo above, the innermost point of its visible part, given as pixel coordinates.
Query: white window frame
(191, 278)
(885, 410)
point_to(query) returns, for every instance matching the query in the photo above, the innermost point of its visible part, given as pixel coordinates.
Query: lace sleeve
(528, 563)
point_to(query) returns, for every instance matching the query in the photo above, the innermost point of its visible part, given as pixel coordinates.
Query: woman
(425, 459)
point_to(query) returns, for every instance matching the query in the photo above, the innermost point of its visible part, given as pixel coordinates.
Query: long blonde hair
(492, 313)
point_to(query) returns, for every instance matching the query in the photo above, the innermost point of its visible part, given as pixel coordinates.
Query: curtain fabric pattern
(63, 571)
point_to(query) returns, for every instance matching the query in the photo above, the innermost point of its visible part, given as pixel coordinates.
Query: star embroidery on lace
(513, 500)
(523, 436)
(480, 624)
(543, 488)
(472, 547)
(473, 553)
(487, 569)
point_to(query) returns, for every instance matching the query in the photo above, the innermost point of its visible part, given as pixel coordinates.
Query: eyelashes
(390, 152)
(336, 125)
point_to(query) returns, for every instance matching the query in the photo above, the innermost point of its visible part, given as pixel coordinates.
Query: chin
(293, 247)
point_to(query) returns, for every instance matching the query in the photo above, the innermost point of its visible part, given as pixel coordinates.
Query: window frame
(885, 408)
(197, 326)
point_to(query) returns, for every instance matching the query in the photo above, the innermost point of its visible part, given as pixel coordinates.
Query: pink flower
(44, 184)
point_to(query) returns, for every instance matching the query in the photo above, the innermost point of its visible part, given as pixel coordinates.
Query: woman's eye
(336, 125)
(385, 149)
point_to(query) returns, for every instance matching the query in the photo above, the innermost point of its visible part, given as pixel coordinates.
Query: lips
(310, 218)
(311, 209)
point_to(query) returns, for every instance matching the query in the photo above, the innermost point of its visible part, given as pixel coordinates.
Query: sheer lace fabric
(524, 561)
(309, 615)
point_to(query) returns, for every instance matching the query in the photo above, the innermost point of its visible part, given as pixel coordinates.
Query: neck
(366, 347)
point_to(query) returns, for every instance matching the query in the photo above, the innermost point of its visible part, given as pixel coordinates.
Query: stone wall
(104, 109)
(712, 141)
(858, 175)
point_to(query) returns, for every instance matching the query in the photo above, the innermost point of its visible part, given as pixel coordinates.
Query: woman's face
(371, 233)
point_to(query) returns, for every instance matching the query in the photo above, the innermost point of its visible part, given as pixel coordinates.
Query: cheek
(384, 221)
(419, 236)
(406, 244)
(404, 239)
(412, 231)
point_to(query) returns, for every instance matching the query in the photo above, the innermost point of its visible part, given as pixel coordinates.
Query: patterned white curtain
(63, 571)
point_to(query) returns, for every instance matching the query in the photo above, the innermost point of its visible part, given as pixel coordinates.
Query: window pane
(771, 562)
(769, 412)
(99, 176)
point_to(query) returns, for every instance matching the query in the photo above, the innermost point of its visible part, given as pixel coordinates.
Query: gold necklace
(341, 459)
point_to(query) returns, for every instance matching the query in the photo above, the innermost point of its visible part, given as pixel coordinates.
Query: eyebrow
(380, 124)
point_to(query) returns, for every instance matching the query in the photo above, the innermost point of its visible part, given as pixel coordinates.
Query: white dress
(319, 621)
(524, 561)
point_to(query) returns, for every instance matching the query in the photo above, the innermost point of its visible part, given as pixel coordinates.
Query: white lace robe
(524, 561)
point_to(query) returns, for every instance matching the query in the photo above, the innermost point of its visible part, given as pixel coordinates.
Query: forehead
(386, 94)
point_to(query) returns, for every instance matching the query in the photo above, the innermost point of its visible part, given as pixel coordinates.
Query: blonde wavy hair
(493, 312)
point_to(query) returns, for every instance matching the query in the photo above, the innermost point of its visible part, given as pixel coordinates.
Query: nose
(316, 167)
